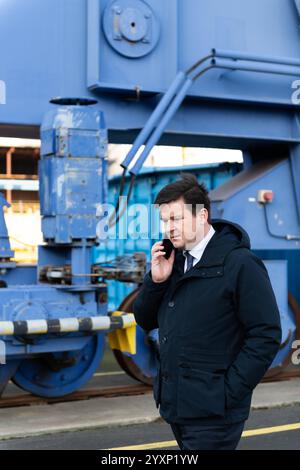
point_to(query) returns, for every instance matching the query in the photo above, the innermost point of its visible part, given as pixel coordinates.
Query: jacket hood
(228, 236)
(230, 233)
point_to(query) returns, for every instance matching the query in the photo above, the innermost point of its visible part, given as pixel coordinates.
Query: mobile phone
(168, 247)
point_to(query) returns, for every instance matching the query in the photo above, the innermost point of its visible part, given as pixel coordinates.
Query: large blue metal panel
(59, 47)
(270, 226)
(150, 63)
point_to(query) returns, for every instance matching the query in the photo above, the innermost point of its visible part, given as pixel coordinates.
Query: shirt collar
(198, 249)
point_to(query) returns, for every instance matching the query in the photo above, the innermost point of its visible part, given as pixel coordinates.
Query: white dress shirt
(197, 250)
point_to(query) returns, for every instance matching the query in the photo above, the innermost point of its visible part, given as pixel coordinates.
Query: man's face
(180, 225)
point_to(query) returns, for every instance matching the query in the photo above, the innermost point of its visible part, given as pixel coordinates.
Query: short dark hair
(187, 188)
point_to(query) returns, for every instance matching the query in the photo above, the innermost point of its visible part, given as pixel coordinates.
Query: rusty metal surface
(86, 394)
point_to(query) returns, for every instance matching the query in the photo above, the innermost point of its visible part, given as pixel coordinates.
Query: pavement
(102, 412)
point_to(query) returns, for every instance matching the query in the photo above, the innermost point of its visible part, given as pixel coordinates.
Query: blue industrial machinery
(53, 328)
(196, 73)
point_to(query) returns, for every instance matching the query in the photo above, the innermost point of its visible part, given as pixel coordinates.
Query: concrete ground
(266, 429)
(102, 412)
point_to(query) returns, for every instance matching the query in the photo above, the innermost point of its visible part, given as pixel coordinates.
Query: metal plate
(130, 27)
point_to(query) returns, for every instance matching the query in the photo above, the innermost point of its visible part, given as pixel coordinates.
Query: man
(219, 325)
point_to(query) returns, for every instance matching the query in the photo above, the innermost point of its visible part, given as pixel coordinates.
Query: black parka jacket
(219, 330)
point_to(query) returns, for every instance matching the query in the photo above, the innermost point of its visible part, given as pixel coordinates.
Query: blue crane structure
(176, 72)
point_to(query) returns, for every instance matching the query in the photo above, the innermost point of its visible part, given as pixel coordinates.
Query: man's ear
(205, 213)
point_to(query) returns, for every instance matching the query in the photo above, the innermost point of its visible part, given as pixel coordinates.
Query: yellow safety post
(124, 339)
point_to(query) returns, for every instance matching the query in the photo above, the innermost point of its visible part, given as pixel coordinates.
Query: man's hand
(161, 267)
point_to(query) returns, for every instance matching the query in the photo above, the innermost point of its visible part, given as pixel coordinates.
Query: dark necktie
(189, 259)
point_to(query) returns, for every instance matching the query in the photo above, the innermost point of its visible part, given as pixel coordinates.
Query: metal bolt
(117, 10)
